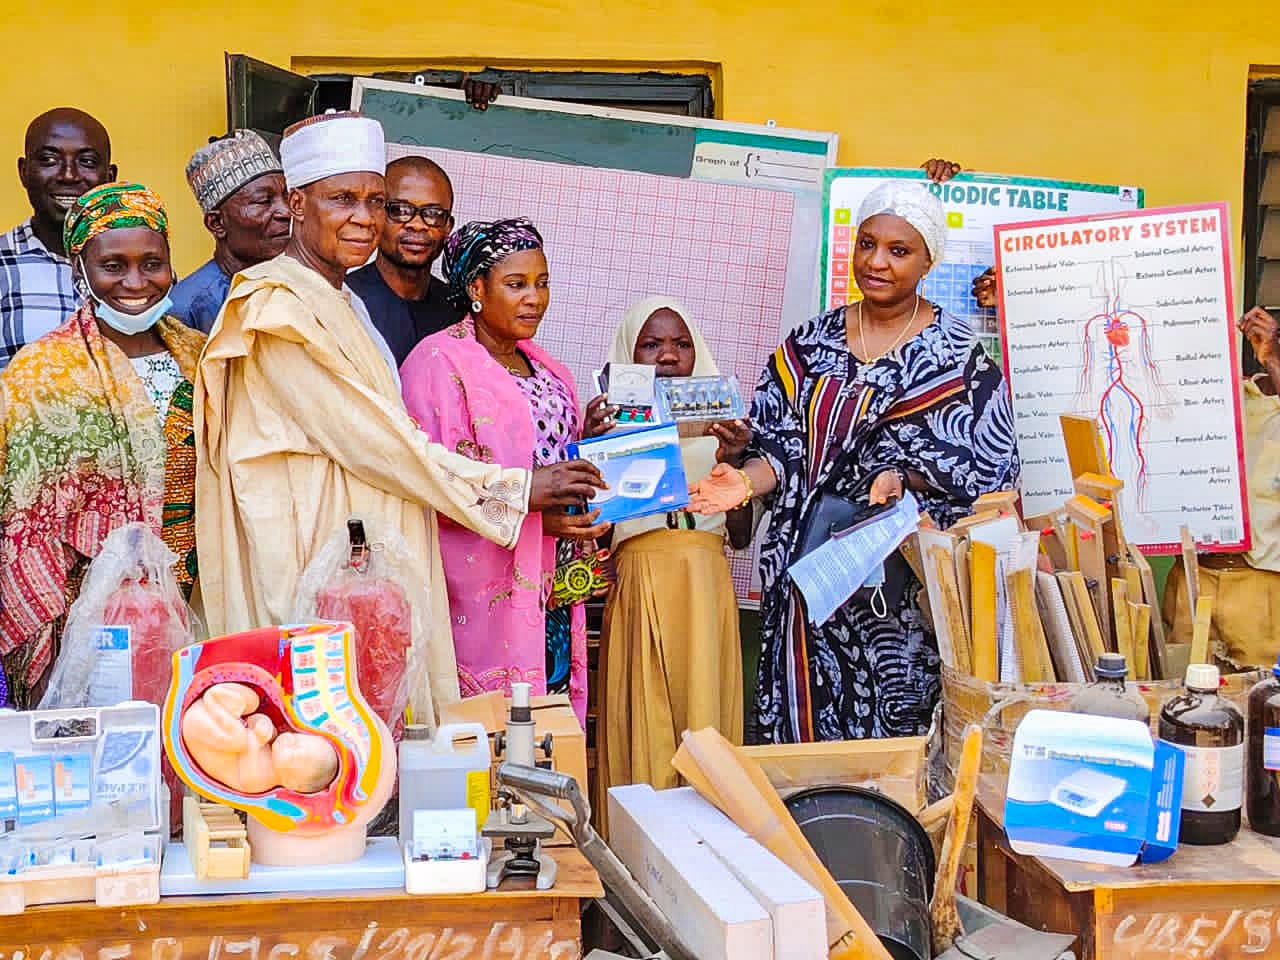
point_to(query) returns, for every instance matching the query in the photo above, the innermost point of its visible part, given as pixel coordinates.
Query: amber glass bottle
(1262, 767)
(1210, 733)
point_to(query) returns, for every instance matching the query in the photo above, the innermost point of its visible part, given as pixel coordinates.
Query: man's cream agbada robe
(299, 426)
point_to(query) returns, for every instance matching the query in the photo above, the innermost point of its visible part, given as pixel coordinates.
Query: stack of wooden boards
(999, 615)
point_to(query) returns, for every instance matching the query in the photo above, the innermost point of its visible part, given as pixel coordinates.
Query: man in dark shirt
(405, 302)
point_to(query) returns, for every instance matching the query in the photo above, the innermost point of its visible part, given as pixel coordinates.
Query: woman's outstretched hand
(720, 491)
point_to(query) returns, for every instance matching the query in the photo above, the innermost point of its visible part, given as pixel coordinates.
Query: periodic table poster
(975, 203)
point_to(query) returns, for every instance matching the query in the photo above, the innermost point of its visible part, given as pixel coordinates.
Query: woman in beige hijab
(671, 653)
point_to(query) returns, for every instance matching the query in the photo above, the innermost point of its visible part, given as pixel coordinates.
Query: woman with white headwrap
(865, 401)
(671, 653)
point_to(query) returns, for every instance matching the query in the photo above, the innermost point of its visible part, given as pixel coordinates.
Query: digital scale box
(1094, 789)
(643, 469)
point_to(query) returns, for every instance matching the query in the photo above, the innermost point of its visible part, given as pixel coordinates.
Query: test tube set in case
(682, 399)
(82, 806)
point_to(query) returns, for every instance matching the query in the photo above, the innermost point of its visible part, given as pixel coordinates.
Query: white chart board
(1129, 318)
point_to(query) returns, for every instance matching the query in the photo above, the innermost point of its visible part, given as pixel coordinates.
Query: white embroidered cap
(914, 203)
(332, 144)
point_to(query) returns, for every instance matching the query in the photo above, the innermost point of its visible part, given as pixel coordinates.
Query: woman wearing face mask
(671, 653)
(483, 388)
(95, 426)
(856, 406)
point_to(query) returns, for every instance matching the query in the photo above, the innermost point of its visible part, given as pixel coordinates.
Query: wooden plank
(1123, 626)
(1190, 567)
(1200, 631)
(942, 909)
(1077, 624)
(710, 908)
(1088, 620)
(1033, 651)
(951, 620)
(983, 604)
(1140, 621)
(1091, 519)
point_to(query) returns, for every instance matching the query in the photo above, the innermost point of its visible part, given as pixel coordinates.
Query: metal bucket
(880, 856)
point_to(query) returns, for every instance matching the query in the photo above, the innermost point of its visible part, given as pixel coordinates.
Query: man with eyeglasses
(405, 302)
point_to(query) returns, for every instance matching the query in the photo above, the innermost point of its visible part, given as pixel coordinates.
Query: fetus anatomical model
(242, 749)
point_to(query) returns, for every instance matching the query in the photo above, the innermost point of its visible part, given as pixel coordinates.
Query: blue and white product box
(1094, 789)
(643, 469)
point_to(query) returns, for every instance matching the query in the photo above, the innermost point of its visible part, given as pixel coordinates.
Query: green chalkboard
(553, 135)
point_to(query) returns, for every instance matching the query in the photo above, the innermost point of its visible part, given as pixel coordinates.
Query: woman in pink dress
(483, 388)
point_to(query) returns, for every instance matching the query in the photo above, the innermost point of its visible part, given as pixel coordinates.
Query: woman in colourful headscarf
(483, 388)
(671, 655)
(889, 394)
(95, 426)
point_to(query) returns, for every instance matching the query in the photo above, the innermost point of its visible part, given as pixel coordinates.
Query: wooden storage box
(896, 766)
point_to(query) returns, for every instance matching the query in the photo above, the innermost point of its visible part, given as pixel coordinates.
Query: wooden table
(515, 923)
(1203, 903)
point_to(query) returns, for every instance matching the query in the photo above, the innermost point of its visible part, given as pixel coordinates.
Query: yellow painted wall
(1153, 94)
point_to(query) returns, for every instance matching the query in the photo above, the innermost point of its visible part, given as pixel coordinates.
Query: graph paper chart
(614, 237)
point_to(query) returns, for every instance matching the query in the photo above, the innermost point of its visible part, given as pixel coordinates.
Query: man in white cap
(239, 185)
(300, 425)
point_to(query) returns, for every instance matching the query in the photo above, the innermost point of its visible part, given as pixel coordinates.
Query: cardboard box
(551, 714)
(1097, 790)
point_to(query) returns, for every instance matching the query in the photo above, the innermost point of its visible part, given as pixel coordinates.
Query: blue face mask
(128, 323)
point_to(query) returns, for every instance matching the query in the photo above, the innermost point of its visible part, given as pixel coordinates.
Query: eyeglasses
(402, 211)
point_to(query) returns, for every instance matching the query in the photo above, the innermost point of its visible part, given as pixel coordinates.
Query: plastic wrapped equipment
(130, 600)
(365, 578)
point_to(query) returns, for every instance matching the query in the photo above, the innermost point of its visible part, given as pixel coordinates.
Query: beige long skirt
(671, 657)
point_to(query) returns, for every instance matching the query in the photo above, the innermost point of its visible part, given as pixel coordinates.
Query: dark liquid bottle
(1210, 733)
(1263, 760)
(1108, 696)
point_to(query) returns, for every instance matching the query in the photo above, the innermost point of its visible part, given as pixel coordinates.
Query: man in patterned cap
(300, 424)
(240, 187)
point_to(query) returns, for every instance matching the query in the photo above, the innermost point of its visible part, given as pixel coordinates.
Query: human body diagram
(1120, 379)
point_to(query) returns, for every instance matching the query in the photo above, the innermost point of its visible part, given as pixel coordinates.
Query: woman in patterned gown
(95, 427)
(483, 388)
(860, 403)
